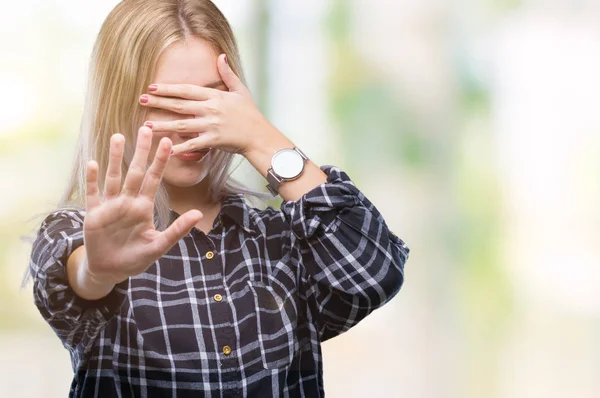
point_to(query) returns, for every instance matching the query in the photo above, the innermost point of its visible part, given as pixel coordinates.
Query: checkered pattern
(288, 280)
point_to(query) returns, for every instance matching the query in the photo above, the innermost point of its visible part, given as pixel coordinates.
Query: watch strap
(274, 182)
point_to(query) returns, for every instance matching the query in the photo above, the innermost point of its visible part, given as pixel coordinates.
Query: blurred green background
(471, 125)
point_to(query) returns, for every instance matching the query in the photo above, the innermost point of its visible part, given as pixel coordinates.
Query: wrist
(93, 286)
(266, 140)
(264, 146)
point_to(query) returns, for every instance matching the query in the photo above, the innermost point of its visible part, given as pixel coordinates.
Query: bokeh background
(472, 125)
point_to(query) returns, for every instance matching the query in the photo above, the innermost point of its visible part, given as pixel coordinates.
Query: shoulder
(257, 216)
(59, 234)
(63, 219)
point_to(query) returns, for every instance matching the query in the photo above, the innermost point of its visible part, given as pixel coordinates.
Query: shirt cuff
(320, 206)
(53, 292)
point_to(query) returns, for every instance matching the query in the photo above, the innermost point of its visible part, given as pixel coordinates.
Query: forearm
(349, 255)
(81, 280)
(262, 152)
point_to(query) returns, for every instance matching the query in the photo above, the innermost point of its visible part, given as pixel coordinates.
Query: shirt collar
(235, 209)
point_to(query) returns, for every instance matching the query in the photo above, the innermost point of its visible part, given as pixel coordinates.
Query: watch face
(287, 163)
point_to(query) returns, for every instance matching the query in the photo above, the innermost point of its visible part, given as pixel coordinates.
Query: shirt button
(226, 350)
(210, 255)
(218, 297)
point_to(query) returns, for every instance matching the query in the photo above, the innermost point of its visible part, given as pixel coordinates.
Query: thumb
(203, 141)
(229, 78)
(177, 230)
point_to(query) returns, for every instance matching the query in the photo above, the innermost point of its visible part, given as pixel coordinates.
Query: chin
(184, 178)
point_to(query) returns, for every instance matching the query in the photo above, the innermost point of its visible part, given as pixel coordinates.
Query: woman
(166, 283)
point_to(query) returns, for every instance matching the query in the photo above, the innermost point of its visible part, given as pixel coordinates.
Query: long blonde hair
(132, 38)
(123, 62)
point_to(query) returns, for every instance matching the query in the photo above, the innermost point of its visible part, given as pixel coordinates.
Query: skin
(118, 228)
(191, 62)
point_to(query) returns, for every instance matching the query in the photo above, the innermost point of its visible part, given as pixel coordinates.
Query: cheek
(155, 141)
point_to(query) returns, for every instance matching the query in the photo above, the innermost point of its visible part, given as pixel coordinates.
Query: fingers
(198, 125)
(137, 169)
(177, 105)
(176, 231)
(187, 91)
(203, 141)
(155, 172)
(92, 197)
(230, 79)
(112, 183)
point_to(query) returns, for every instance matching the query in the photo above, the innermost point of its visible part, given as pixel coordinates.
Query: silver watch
(287, 165)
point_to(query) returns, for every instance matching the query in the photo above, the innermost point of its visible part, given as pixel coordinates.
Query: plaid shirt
(238, 312)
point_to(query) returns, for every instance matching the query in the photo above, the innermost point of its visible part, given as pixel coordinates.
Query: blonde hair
(132, 38)
(123, 62)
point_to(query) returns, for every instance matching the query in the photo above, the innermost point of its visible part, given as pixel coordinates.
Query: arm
(353, 266)
(350, 262)
(79, 294)
(56, 251)
(353, 262)
(81, 280)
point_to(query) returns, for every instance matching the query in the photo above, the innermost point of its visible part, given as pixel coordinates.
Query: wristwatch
(287, 165)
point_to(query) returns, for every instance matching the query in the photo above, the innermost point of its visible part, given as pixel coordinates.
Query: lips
(192, 156)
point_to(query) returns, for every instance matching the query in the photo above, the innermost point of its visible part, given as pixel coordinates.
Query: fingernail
(152, 87)
(144, 99)
(148, 124)
(226, 60)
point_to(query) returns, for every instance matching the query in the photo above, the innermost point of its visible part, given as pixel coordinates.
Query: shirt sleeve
(353, 262)
(75, 320)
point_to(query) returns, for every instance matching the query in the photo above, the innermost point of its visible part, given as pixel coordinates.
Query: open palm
(119, 233)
